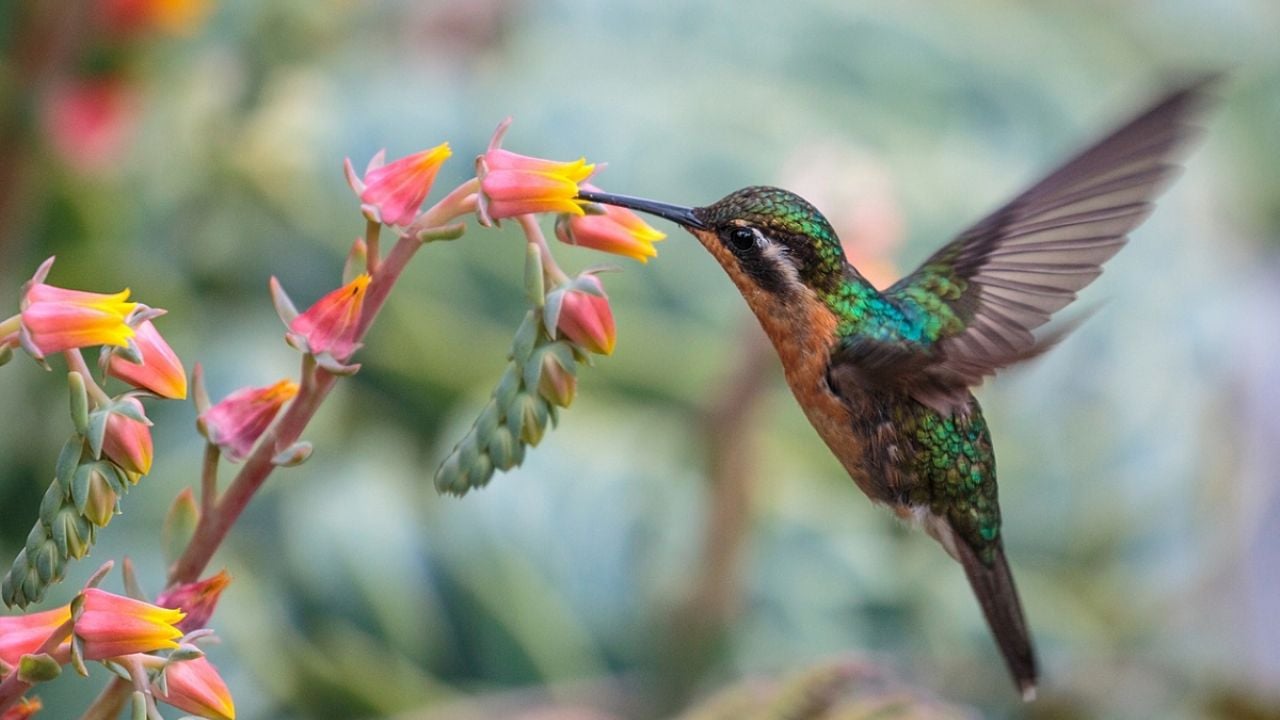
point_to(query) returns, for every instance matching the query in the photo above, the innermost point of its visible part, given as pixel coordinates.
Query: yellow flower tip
(281, 391)
(429, 159)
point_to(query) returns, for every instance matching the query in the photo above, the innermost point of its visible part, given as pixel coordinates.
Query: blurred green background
(684, 530)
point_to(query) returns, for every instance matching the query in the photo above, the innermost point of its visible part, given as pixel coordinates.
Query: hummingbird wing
(1006, 275)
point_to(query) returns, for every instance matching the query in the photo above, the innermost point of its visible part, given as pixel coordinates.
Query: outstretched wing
(1006, 275)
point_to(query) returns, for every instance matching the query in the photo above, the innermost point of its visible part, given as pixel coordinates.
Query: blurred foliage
(1138, 458)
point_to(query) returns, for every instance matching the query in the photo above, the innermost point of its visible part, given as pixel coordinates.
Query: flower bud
(128, 441)
(331, 324)
(238, 420)
(556, 383)
(393, 193)
(611, 229)
(111, 625)
(587, 320)
(160, 371)
(197, 599)
(195, 686)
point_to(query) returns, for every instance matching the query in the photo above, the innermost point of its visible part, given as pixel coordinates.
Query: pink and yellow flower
(616, 230)
(587, 319)
(160, 371)
(111, 625)
(196, 687)
(196, 599)
(332, 323)
(25, 708)
(58, 319)
(512, 184)
(128, 442)
(393, 193)
(238, 420)
(24, 634)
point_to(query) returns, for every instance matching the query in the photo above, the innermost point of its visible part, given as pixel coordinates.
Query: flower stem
(75, 361)
(533, 231)
(110, 701)
(10, 325)
(372, 254)
(209, 478)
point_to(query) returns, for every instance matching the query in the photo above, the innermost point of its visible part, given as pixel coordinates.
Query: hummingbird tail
(993, 584)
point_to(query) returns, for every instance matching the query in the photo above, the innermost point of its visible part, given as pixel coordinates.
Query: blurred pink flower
(238, 420)
(196, 687)
(111, 625)
(128, 17)
(89, 121)
(197, 599)
(24, 634)
(393, 193)
(160, 371)
(58, 319)
(587, 319)
(331, 324)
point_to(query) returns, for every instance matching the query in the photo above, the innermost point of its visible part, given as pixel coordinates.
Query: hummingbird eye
(742, 238)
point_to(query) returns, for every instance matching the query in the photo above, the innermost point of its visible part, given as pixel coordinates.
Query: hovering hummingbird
(885, 377)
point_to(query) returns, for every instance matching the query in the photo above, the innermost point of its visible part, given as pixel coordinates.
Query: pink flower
(24, 634)
(331, 324)
(160, 371)
(196, 687)
(393, 193)
(513, 184)
(236, 423)
(111, 625)
(25, 708)
(58, 319)
(128, 442)
(89, 122)
(196, 599)
(617, 230)
(587, 320)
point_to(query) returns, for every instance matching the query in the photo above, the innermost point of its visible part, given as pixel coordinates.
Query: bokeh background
(683, 543)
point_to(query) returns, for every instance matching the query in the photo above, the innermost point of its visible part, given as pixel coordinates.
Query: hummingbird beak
(682, 216)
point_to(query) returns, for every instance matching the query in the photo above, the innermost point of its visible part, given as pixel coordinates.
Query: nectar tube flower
(587, 320)
(128, 442)
(196, 687)
(512, 184)
(331, 324)
(391, 194)
(196, 599)
(57, 319)
(238, 420)
(611, 229)
(24, 634)
(160, 371)
(111, 625)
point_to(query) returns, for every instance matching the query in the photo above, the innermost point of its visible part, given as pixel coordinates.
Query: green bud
(533, 419)
(487, 422)
(33, 669)
(100, 503)
(68, 460)
(448, 475)
(48, 563)
(467, 451)
(32, 587)
(481, 472)
(179, 525)
(71, 534)
(96, 431)
(502, 448)
(79, 402)
(51, 502)
(551, 311)
(11, 586)
(508, 386)
(525, 339)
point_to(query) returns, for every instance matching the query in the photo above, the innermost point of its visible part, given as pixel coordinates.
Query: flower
(196, 599)
(556, 384)
(24, 634)
(613, 230)
(587, 319)
(90, 121)
(331, 324)
(58, 319)
(235, 423)
(111, 625)
(25, 708)
(195, 686)
(175, 17)
(393, 193)
(160, 371)
(100, 503)
(513, 184)
(128, 442)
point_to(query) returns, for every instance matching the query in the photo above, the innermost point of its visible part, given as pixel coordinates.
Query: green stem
(10, 326)
(75, 361)
(372, 254)
(110, 701)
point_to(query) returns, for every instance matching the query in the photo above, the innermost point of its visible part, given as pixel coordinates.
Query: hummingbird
(886, 377)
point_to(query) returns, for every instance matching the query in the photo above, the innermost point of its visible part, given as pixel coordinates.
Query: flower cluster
(127, 633)
(111, 448)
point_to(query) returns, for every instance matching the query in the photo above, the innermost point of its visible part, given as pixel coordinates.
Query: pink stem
(75, 361)
(533, 231)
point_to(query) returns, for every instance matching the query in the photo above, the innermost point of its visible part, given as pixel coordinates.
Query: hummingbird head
(771, 242)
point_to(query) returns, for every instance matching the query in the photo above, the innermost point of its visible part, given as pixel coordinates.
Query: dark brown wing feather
(1012, 270)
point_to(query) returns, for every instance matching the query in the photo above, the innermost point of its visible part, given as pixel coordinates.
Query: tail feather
(999, 600)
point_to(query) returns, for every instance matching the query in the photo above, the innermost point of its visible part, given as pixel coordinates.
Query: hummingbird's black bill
(679, 215)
